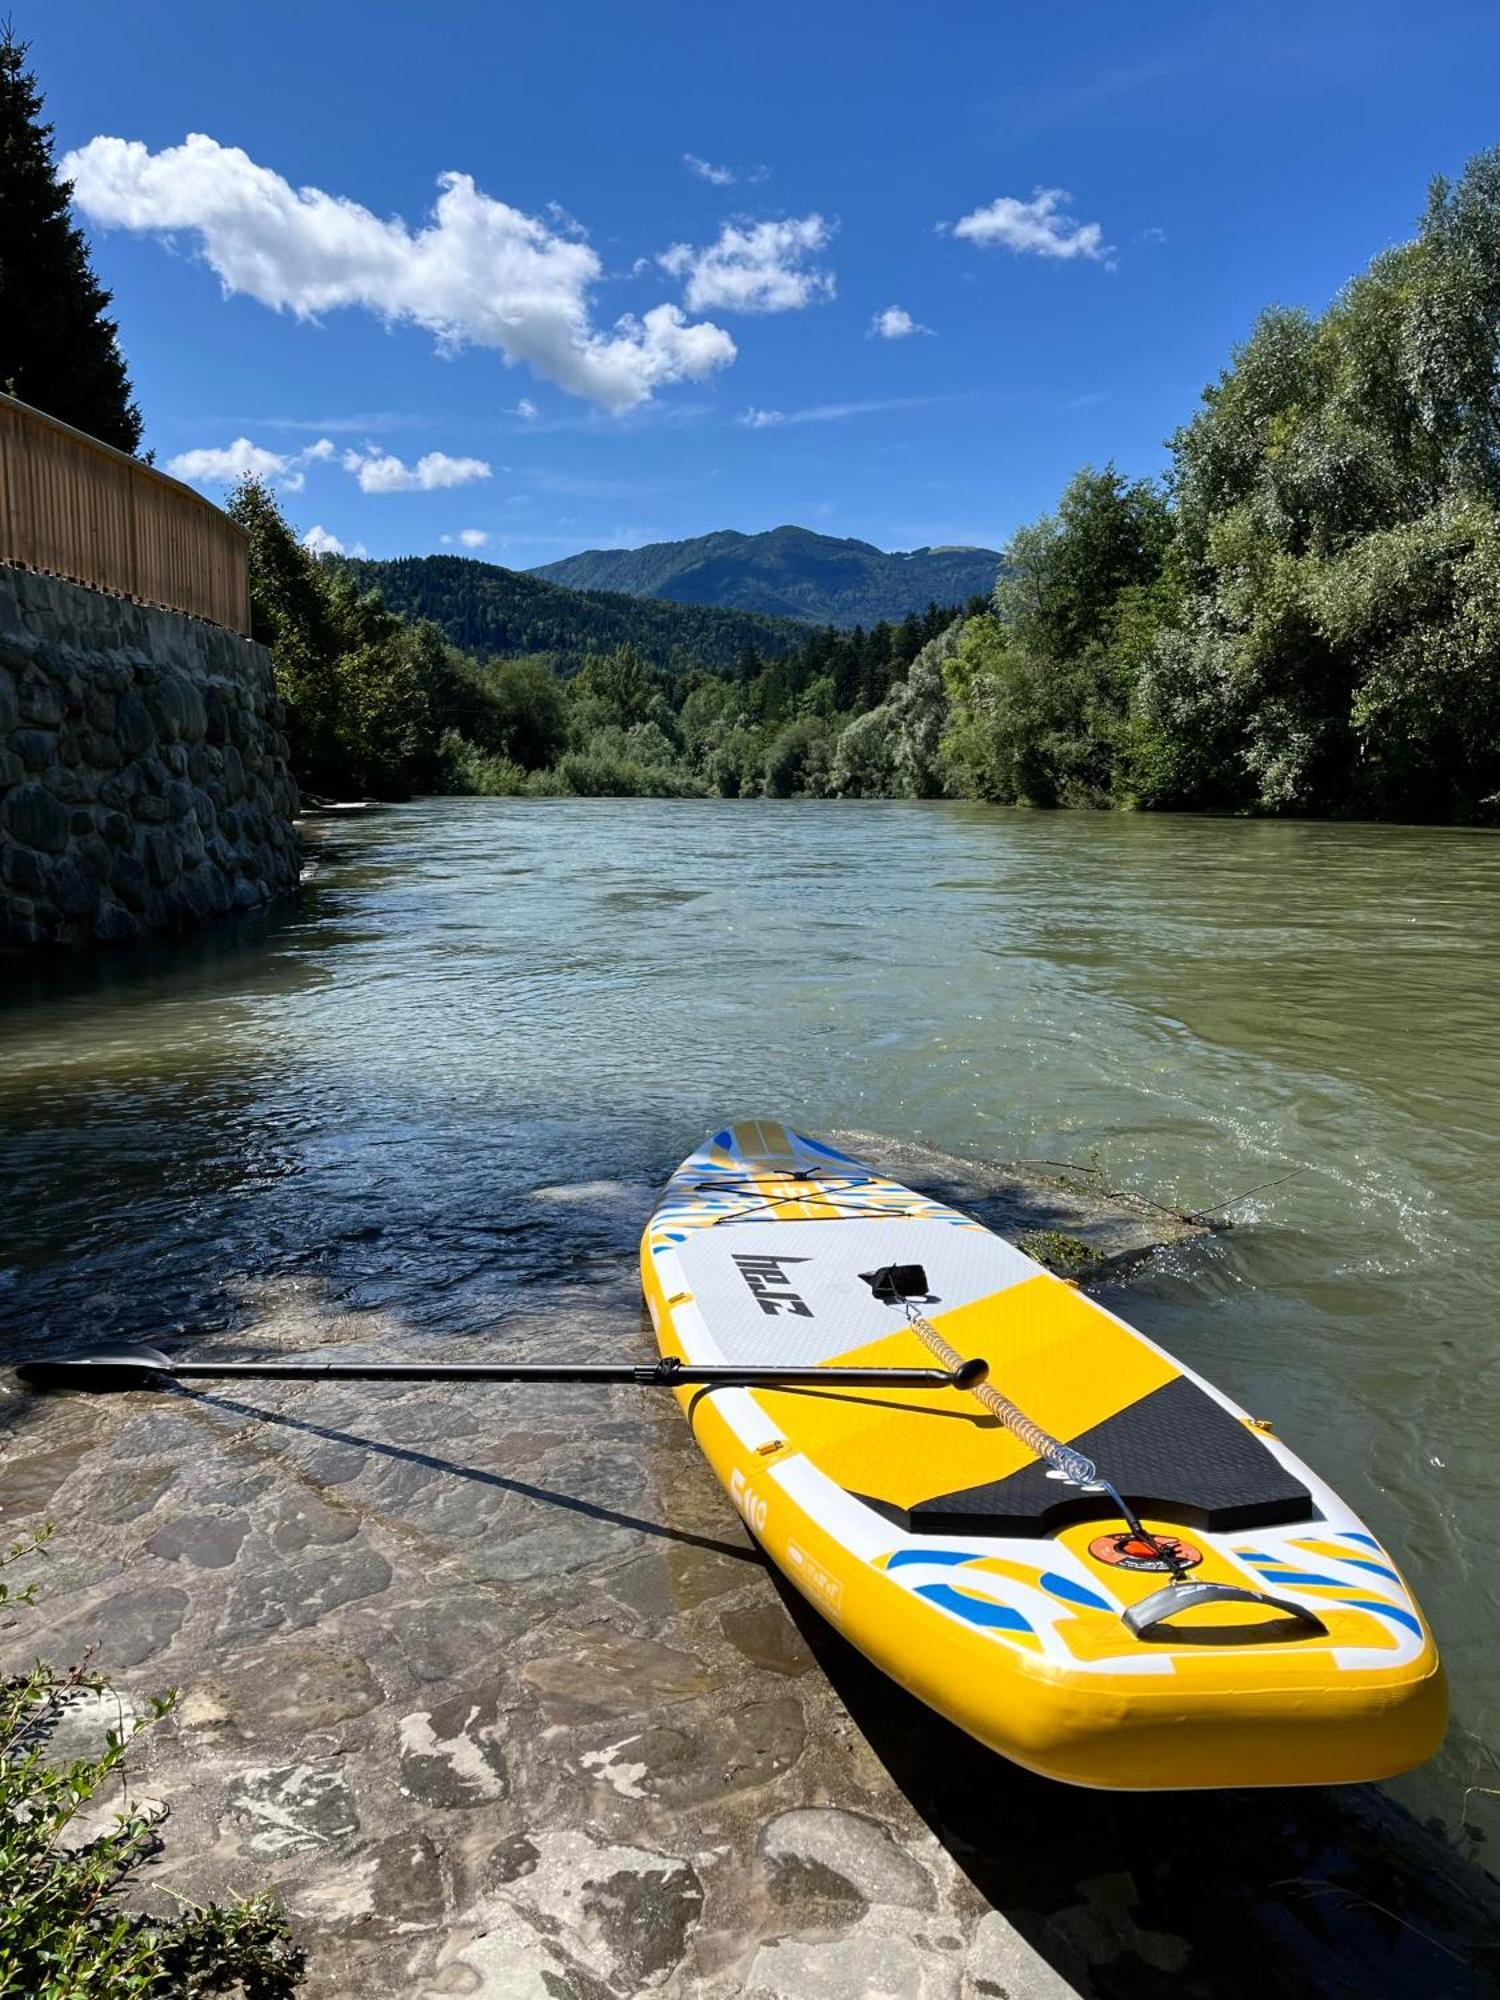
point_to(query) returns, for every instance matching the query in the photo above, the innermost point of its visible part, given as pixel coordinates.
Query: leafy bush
(65, 1933)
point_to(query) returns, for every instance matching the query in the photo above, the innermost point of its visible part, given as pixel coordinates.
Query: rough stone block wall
(144, 783)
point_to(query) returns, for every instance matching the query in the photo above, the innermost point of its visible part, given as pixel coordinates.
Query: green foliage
(786, 572)
(1041, 688)
(796, 760)
(484, 609)
(1310, 624)
(368, 694)
(58, 349)
(1068, 1256)
(65, 1931)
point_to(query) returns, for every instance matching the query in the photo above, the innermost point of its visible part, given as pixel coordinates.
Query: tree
(1041, 687)
(58, 349)
(1337, 497)
(289, 613)
(520, 713)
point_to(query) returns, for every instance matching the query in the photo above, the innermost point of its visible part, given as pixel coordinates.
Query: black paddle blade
(114, 1364)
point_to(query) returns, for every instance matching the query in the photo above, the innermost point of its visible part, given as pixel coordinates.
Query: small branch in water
(1319, 1885)
(1218, 1207)
(1118, 1194)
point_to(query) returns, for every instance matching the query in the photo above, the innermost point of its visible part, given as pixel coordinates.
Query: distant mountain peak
(786, 572)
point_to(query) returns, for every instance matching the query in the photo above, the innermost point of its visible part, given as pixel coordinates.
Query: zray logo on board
(771, 1286)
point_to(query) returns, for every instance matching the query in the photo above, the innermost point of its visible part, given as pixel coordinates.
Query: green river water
(475, 997)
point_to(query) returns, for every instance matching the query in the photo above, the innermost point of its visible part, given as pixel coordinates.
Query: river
(473, 998)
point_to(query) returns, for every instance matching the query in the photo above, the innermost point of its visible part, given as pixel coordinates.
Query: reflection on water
(479, 999)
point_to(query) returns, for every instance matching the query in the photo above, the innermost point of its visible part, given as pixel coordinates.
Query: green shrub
(65, 1933)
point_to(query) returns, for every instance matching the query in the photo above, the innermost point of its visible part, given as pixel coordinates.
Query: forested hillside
(789, 572)
(485, 609)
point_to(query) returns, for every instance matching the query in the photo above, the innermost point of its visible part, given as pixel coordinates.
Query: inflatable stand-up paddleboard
(1091, 1559)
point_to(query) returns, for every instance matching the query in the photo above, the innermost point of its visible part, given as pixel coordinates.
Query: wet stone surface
(499, 1698)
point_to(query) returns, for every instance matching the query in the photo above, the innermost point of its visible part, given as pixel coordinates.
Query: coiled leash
(900, 1285)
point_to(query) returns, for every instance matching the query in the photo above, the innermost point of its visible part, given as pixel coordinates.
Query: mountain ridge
(488, 610)
(785, 572)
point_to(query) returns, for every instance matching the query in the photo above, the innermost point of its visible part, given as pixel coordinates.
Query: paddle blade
(115, 1364)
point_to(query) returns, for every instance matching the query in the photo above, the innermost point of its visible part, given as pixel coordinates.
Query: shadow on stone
(568, 1502)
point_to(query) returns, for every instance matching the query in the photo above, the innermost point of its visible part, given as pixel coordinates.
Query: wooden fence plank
(85, 511)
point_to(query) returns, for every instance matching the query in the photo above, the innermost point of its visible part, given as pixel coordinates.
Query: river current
(473, 999)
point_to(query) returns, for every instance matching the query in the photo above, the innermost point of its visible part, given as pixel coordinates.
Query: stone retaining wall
(144, 783)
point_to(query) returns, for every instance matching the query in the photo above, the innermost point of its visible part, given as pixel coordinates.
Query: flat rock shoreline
(491, 1687)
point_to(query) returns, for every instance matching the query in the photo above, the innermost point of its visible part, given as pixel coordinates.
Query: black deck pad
(1176, 1455)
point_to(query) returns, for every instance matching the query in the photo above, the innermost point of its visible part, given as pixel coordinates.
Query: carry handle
(1142, 1619)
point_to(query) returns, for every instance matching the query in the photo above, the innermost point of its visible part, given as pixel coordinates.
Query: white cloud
(895, 323)
(719, 177)
(755, 266)
(322, 543)
(527, 409)
(473, 538)
(830, 413)
(1037, 227)
(223, 465)
(722, 177)
(478, 272)
(382, 472)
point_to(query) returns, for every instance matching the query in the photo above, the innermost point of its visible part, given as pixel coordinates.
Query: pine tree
(58, 351)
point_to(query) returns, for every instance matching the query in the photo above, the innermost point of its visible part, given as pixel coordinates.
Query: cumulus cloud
(527, 409)
(322, 543)
(477, 272)
(473, 538)
(760, 420)
(754, 266)
(895, 323)
(1037, 227)
(223, 465)
(382, 472)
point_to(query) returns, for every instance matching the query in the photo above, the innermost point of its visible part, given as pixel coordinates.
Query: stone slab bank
(491, 1687)
(144, 783)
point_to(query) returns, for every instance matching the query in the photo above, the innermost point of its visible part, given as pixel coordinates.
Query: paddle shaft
(123, 1366)
(647, 1375)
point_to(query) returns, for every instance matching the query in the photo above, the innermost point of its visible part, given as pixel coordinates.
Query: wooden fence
(85, 511)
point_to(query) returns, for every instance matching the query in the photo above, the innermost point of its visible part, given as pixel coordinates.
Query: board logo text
(771, 1285)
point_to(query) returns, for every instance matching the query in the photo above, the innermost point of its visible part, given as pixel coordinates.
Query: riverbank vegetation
(1302, 616)
(72, 1847)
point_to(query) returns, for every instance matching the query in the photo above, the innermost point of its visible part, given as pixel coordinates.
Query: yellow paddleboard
(1013, 1601)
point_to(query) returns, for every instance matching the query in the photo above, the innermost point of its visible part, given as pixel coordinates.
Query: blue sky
(645, 301)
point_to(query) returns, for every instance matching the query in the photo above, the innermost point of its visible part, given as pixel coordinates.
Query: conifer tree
(58, 350)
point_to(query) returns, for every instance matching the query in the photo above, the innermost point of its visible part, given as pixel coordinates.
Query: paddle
(118, 1365)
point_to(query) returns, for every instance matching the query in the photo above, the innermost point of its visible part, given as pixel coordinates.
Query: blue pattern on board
(976, 1610)
(1305, 1576)
(1380, 1569)
(1386, 1611)
(828, 1152)
(1073, 1593)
